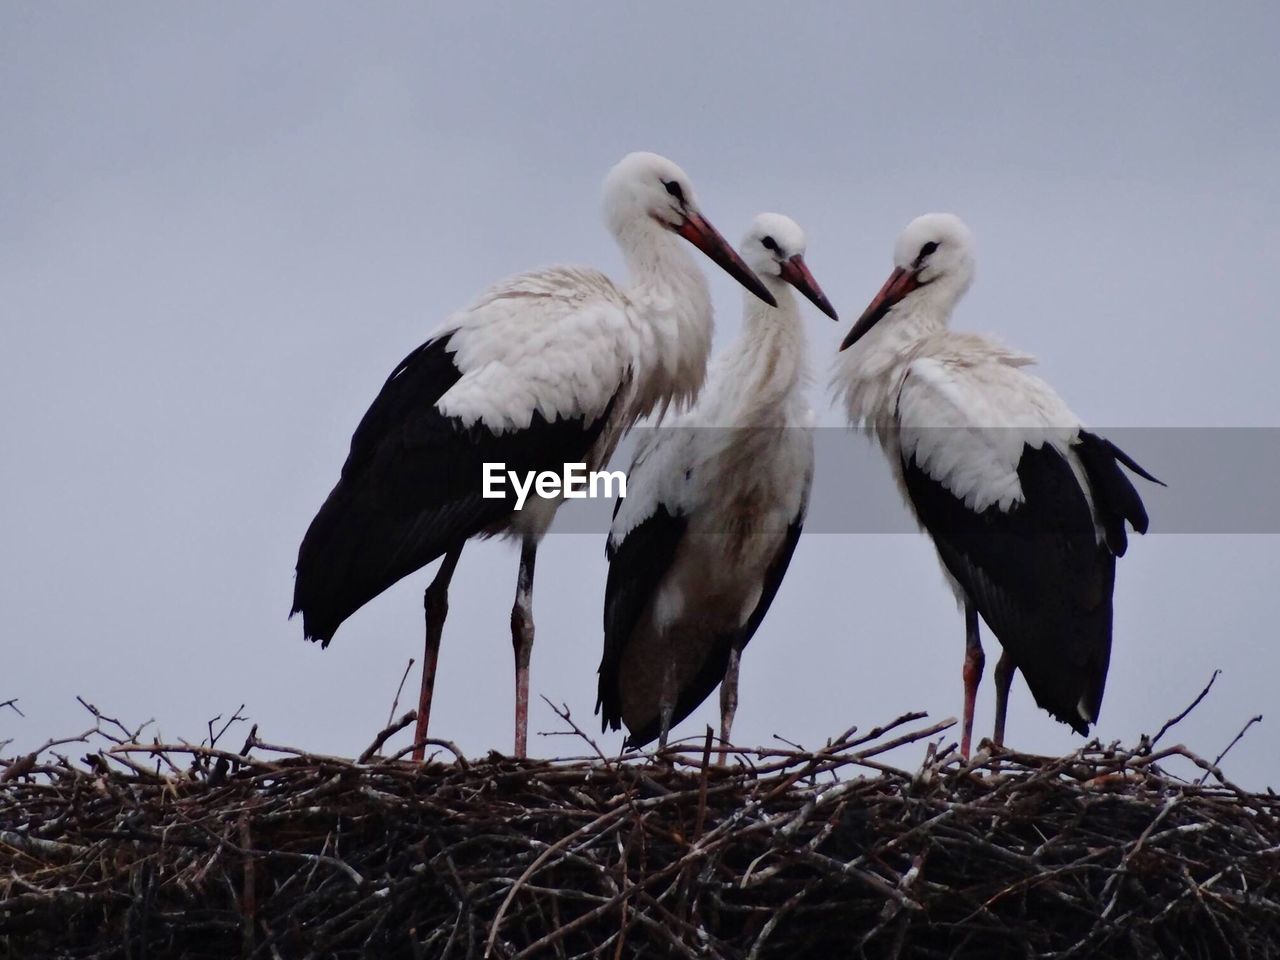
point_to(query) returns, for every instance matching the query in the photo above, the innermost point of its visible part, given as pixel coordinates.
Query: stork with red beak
(716, 503)
(545, 369)
(1027, 508)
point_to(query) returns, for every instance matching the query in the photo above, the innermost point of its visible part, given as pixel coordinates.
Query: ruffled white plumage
(961, 405)
(559, 342)
(750, 430)
(967, 424)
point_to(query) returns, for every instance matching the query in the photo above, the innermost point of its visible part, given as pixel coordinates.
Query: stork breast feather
(966, 426)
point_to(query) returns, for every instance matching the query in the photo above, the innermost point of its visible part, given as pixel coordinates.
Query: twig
(562, 712)
(449, 745)
(235, 718)
(129, 735)
(1150, 745)
(388, 732)
(1251, 721)
(24, 764)
(396, 700)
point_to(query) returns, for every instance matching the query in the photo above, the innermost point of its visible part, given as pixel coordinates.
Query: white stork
(545, 368)
(715, 505)
(1026, 508)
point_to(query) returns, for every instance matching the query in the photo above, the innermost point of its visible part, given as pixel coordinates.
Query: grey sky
(221, 227)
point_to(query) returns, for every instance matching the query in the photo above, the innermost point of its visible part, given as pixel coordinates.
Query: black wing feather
(1036, 574)
(713, 668)
(411, 489)
(636, 565)
(773, 579)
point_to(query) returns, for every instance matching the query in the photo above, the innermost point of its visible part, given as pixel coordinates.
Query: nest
(154, 850)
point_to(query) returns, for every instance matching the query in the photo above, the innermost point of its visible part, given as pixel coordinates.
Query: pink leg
(974, 659)
(436, 604)
(728, 701)
(522, 642)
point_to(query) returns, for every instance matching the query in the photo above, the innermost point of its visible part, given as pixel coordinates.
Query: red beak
(796, 273)
(900, 283)
(706, 238)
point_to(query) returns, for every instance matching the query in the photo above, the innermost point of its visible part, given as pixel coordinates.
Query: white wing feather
(966, 425)
(558, 341)
(657, 477)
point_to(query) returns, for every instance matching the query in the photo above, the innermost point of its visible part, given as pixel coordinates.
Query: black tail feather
(1115, 498)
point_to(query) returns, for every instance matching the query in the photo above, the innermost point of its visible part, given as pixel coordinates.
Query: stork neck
(939, 297)
(659, 261)
(872, 369)
(672, 302)
(907, 323)
(761, 373)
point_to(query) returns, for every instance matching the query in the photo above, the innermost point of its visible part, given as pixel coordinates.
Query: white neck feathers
(870, 372)
(672, 316)
(759, 379)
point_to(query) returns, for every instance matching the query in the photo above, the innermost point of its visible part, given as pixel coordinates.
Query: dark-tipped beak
(706, 238)
(900, 283)
(796, 273)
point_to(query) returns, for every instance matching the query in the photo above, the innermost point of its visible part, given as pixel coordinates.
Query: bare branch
(1168, 724)
(390, 731)
(395, 702)
(1257, 718)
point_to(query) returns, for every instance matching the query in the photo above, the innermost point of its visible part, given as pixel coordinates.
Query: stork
(715, 505)
(546, 368)
(1027, 508)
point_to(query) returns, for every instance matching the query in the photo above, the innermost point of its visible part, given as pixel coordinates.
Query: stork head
(932, 267)
(774, 249)
(645, 187)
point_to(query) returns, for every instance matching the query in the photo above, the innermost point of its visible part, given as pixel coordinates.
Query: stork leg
(729, 699)
(666, 702)
(974, 659)
(522, 641)
(435, 604)
(1004, 677)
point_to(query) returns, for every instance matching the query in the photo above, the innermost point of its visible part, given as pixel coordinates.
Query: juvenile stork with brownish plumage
(716, 502)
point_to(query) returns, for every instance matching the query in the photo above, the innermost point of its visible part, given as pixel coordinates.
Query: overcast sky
(221, 226)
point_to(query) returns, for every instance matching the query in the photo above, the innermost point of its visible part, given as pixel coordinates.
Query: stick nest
(153, 850)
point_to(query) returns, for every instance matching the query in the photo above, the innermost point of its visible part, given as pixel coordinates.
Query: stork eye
(673, 188)
(928, 248)
(770, 244)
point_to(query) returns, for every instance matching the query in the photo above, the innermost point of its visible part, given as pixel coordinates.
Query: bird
(545, 368)
(1026, 507)
(715, 504)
